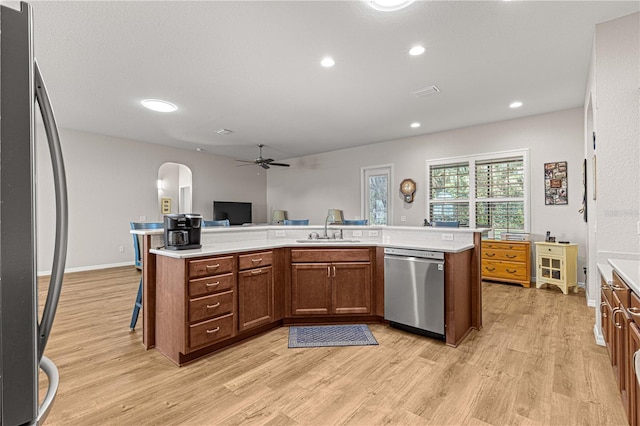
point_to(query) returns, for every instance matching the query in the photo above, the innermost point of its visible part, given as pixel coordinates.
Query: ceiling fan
(262, 162)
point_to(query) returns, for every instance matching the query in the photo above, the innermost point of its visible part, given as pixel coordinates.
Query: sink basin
(327, 241)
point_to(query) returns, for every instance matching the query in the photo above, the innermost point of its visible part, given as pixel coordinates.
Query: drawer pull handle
(217, 283)
(215, 330)
(634, 311)
(615, 287)
(603, 312)
(256, 260)
(256, 271)
(490, 254)
(216, 266)
(215, 305)
(512, 271)
(549, 249)
(605, 287)
(616, 311)
(489, 269)
(633, 363)
(511, 256)
(328, 271)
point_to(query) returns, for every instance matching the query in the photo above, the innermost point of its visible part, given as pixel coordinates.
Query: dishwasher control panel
(414, 253)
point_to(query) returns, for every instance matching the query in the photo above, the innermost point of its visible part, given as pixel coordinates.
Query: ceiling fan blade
(264, 166)
(279, 164)
(247, 161)
(243, 165)
(268, 160)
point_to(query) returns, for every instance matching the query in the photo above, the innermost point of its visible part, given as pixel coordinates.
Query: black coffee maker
(182, 231)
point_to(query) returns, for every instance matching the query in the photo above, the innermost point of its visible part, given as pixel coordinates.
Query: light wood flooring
(535, 362)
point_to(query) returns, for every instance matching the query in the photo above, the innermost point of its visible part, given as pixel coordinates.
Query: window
(484, 191)
(376, 202)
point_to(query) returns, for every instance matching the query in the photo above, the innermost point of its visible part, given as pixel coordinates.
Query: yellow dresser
(506, 261)
(557, 264)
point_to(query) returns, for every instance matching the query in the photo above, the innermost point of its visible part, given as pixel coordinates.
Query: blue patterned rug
(331, 335)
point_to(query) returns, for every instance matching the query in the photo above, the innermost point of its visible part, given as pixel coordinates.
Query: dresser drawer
(254, 260)
(498, 245)
(211, 331)
(211, 266)
(506, 270)
(508, 255)
(210, 306)
(209, 285)
(545, 249)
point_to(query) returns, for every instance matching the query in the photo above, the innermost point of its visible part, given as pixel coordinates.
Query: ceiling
(254, 68)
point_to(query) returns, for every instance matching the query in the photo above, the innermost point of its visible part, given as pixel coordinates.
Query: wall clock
(408, 189)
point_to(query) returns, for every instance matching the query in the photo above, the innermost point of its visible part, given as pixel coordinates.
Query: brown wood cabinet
(321, 284)
(255, 290)
(195, 304)
(507, 261)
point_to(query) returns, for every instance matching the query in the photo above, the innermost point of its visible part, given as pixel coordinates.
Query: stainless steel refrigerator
(23, 336)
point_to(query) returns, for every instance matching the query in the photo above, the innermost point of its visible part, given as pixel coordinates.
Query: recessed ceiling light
(416, 50)
(389, 5)
(327, 62)
(516, 104)
(199, 149)
(415, 125)
(158, 105)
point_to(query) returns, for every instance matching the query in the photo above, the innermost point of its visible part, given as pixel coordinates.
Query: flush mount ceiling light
(327, 62)
(389, 5)
(415, 125)
(516, 104)
(223, 131)
(416, 50)
(158, 105)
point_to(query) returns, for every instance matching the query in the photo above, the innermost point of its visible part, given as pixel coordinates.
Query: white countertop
(606, 272)
(629, 271)
(241, 246)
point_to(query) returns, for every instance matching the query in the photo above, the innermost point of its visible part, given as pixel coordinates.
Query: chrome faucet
(326, 223)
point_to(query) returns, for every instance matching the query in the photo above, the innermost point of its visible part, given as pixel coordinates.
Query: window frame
(471, 161)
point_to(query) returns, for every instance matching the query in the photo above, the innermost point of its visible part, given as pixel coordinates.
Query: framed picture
(555, 183)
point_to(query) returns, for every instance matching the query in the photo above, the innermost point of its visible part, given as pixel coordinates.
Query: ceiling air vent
(425, 91)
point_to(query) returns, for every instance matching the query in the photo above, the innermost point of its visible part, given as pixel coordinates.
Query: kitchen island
(261, 277)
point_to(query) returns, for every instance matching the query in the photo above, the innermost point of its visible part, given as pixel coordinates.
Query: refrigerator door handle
(62, 213)
(51, 371)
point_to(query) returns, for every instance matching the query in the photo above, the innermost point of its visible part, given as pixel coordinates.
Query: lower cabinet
(321, 285)
(255, 298)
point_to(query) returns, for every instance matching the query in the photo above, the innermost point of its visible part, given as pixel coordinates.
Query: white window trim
(472, 159)
(363, 191)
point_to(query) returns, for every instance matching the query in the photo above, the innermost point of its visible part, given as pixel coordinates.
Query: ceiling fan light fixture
(158, 105)
(389, 5)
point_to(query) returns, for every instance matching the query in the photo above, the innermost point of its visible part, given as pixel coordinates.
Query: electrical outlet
(357, 233)
(121, 249)
(403, 218)
(447, 237)
(280, 234)
(143, 218)
(373, 233)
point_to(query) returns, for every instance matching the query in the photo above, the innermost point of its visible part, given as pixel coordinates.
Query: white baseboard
(591, 303)
(89, 268)
(599, 337)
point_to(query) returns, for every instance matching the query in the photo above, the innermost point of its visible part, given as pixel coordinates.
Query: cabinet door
(606, 311)
(255, 288)
(351, 288)
(311, 288)
(551, 268)
(634, 387)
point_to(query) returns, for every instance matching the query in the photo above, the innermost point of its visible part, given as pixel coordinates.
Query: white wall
(612, 110)
(113, 181)
(316, 183)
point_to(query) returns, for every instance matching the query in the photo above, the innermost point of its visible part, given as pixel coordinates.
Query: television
(237, 213)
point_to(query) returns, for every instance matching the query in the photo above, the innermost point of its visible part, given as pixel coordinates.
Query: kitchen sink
(327, 241)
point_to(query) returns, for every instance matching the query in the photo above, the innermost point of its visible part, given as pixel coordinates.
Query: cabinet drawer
(497, 245)
(508, 255)
(209, 285)
(211, 266)
(545, 249)
(621, 290)
(210, 306)
(211, 331)
(255, 260)
(508, 270)
(335, 255)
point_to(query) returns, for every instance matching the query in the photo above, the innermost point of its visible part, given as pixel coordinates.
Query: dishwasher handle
(413, 259)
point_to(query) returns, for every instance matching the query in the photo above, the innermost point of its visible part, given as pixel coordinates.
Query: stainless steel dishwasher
(414, 290)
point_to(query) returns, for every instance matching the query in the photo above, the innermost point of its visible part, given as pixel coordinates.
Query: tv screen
(237, 213)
